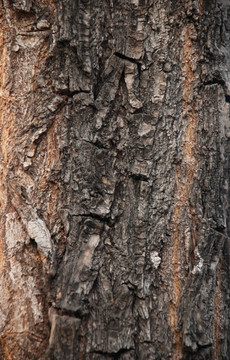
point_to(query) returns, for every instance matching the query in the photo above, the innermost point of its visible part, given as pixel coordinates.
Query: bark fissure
(127, 58)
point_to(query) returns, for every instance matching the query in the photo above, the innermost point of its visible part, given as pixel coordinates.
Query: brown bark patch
(184, 178)
(5, 350)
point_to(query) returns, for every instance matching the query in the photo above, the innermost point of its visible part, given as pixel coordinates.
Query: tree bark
(114, 179)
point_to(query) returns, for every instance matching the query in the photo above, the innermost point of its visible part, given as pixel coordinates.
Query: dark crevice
(23, 10)
(114, 355)
(69, 93)
(71, 313)
(139, 177)
(139, 111)
(200, 346)
(220, 233)
(33, 243)
(63, 42)
(215, 81)
(97, 143)
(101, 218)
(127, 58)
(102, 80)
(220, 229)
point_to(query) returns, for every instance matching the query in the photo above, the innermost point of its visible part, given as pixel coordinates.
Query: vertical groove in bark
(184, 178)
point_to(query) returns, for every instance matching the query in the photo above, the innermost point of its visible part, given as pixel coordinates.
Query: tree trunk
(114, 179)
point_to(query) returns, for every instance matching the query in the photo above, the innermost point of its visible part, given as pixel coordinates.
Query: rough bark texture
(114, 179)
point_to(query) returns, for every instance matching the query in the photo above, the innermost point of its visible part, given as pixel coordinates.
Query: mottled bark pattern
(114, 179)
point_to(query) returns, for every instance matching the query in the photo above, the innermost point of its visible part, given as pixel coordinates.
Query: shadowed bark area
(114, 179)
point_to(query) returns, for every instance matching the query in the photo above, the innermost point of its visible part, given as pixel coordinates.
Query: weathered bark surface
(114, 179)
